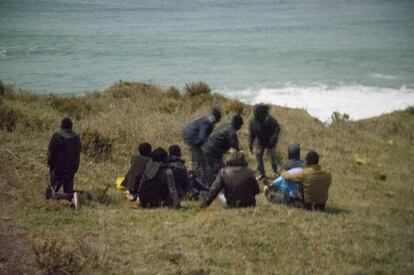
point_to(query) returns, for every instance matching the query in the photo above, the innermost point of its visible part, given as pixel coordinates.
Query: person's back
(64, 152)
(138, 162)
(196, 132)
(157, 186)
(266, 131)
(179, 169)
(237, 181)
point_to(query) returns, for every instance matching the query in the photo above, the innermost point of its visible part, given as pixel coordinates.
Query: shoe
(260, 177)
(75, 200)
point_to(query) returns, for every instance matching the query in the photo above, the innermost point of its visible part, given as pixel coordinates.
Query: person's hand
(251, 148)
(284, 174)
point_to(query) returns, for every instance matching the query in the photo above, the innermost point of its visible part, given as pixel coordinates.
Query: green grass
(367, 228)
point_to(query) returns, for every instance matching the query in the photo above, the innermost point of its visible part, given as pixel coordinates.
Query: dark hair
(237, 121)
(145, 149)
(159, 155)
(294, 151)
(174, 150)
(260, 111)
(66, 124)
(312, 158)
(216, 113)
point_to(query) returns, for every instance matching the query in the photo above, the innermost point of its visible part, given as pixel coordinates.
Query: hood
(237, 158)
(68, 134)
(294, 152)
(151, 169)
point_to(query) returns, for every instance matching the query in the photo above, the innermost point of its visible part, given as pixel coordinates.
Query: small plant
(337, 117)
(410, 110)
(70, 106)
(197, 89)
(54, 257)
(96, 145)
(173, 92)
(236, 107)
(9, 118)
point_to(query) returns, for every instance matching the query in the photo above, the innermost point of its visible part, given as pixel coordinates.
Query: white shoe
(75, 200)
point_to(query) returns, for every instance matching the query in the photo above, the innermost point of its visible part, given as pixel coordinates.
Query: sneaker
(75, 200)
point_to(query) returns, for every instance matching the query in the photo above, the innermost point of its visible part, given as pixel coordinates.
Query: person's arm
(234, 141)
(52, 152)
(252, 136)
(296, 177)
(274, 125)
(78, 151)
(214, 191)
(172, 189)
(203, 133)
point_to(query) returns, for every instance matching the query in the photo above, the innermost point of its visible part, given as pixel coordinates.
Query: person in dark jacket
(177, 165)
(265, 129)
(238, 183)
(157, 188)
(222, 139)
(63, 161)
(133, 176)
(195, 134)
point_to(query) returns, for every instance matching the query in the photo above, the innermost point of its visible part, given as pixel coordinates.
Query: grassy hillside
(367, 228)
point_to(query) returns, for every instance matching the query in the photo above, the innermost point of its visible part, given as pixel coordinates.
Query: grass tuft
(196, 89)
(96, 146)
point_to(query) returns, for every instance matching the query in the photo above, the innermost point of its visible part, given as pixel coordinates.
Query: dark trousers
(198, 161)
(214, 164)
(260, 150)
(56, 181)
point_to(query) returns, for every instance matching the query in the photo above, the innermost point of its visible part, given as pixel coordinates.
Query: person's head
(159, 155)
(312, 158)
(174, 150)
(237, 122)
(145, 149)
(237, 158)
(66, 124)
(260, 111)
(216, 113)
(294, 151)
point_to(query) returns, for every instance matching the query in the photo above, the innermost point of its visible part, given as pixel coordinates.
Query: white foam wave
(321, 101)
(383, 76)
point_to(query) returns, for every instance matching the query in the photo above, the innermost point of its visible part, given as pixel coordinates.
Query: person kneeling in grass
(157, 187)
(238, 183)
(313, 182)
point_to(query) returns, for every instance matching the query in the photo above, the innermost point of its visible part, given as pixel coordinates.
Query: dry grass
(367, 227)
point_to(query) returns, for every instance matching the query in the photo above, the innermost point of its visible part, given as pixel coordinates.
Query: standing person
(238, 183)
(222, 139)
(63, 161)
(157, 188)
(195, 134)
(266, 129)
(133, 176)
(314, 183)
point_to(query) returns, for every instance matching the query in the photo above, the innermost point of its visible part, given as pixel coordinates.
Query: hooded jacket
(133, 176)
(237, 181)
(196, 132)
(266, 132)
(222, 139)
(64, 153)
(157, 187)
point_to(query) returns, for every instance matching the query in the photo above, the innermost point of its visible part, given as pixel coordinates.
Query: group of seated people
(157, 178)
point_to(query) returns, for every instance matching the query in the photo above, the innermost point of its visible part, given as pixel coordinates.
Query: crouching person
(313, 182)
(63, 161)
(238, 183)
(157, 187)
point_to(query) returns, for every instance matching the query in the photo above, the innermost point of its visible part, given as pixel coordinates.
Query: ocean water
(353, 56)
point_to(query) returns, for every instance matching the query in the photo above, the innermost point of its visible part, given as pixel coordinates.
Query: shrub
(96, 145)
(9, 118)
(70, 106)
(196, 89)
(235, 106)
(173, 92)
(337, 117)
(410, 110)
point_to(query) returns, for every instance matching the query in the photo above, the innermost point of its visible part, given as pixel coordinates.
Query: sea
(350, 56)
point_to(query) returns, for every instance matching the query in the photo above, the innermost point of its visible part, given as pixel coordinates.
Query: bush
(410, 110)
(173, 92)
(197, 89)
(337, 117)
(96, 145)
(70, 106)
(236, 107)
(9, 118)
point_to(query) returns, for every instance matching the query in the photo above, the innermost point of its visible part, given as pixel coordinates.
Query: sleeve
(234, 140)
(214, 191)
(252, 133)
(296, 177)
(52, 153)
(274, 125)
(203, 133)
(172, 189)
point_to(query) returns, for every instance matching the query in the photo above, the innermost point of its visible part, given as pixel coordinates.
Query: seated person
(157, 187)
(237, 181)
(313, 182)
(177, 165)
(133, 176)
(281, 190)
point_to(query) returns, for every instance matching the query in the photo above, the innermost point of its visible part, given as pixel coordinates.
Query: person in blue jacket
(284, 191)
(195, 134)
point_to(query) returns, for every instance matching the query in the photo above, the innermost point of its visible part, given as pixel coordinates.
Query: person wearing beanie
(238, 183)
(63, 160)
(195, 134)
(133, 176)
(265, 129)
(221, 140)
(314, 183)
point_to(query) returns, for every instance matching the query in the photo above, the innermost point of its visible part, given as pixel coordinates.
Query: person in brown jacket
(313, 182)
(157, 187)
(237, 181)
